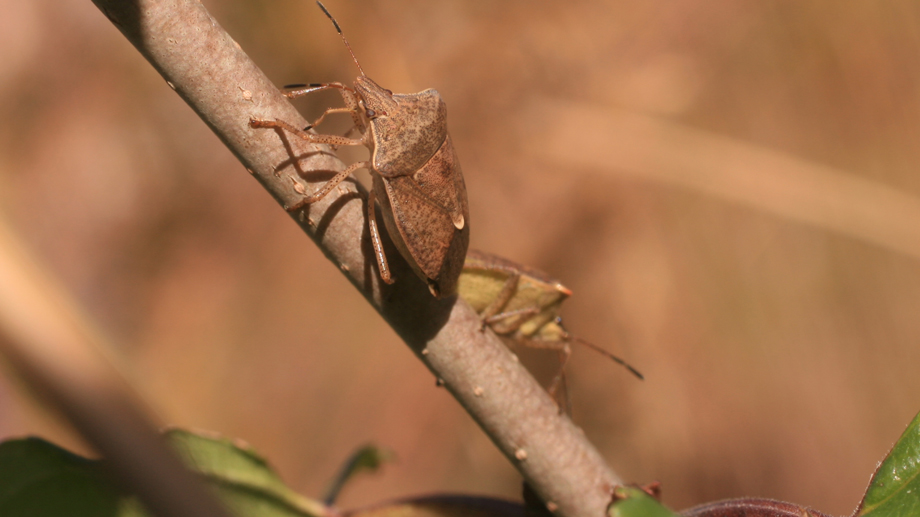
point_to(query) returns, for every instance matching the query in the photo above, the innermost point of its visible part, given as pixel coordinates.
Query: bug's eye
(370, 113)
(388, 91)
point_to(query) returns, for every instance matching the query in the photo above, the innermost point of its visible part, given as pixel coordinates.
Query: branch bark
(209, 70)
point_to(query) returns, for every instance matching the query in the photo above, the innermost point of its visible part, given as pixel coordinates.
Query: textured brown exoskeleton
(416, 174)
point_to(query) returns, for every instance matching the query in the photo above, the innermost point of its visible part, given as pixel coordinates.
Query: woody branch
(203, 64)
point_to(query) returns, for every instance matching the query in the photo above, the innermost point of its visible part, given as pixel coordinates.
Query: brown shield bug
(522, 304)
(416, 174)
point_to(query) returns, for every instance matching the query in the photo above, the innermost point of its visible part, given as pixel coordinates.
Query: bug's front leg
(348, 96)
(520, 317)
(323, 116)
(292, 91)
(309, 137)
(492, 313)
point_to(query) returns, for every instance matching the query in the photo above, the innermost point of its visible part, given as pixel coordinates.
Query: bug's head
(377, 100)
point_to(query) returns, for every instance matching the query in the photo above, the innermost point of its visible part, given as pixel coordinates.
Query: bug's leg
(323, 116)
(567, 396)
(348, 95)
(346, 135)
(564, 351)
(493, 312)
(292, 91)
(560, 380)
(351, 102)
(309, 137)
(327, 187)
(375, 239)
(350, 131)
(520, 314)
(500, 301)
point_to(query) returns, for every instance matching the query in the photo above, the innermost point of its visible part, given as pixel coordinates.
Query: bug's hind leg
(559, 380)
(376, 242)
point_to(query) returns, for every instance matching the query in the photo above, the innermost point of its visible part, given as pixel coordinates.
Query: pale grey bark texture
(211, 72)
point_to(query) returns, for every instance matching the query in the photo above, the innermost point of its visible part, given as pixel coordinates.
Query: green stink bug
(522, 304)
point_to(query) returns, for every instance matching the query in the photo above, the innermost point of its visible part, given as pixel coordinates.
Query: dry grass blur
(729, 187)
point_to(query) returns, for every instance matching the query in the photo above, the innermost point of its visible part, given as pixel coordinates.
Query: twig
(215, 77)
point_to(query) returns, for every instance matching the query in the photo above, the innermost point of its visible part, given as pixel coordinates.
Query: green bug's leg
(520, 315)
(501, 300)
(560, 380)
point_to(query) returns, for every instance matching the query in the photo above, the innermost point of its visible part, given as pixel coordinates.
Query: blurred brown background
(730, 188)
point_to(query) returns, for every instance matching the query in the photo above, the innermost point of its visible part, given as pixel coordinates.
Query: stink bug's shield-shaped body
(513, 299)
(521, 304)
(416, 174)
(419, 182)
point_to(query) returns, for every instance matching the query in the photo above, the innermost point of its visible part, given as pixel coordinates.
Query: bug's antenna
(323, 7)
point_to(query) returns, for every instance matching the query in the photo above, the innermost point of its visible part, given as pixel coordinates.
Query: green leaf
(894, 490)
(243, 479)
(38, 478)
(631, 501)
